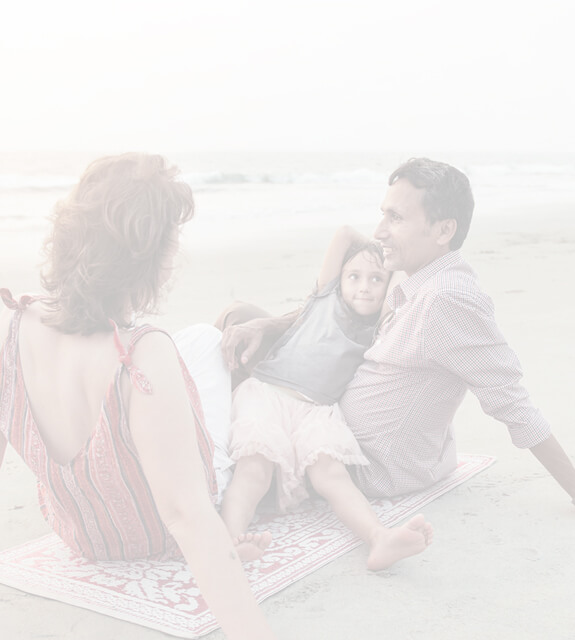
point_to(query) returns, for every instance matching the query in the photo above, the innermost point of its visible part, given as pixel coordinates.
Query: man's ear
(446, 230)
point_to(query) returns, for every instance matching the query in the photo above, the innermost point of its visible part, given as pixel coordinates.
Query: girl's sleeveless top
(100, 503)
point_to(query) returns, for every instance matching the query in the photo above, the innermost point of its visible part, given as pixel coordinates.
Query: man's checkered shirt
(440, 340)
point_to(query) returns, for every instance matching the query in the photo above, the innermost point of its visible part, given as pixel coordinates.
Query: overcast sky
(294, 75)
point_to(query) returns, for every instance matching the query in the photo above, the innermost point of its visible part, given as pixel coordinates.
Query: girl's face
(363, 284)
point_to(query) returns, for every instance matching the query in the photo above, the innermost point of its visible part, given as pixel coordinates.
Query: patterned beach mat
(164, 596)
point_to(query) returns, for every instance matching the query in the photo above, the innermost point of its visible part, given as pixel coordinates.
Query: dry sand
(502, 564)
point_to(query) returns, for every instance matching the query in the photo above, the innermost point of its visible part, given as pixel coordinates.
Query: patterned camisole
(100, 502)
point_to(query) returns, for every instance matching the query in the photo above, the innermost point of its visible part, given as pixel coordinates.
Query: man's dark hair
(447, 193)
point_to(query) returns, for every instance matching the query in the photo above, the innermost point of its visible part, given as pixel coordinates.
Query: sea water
(251, 194)
(263, 220)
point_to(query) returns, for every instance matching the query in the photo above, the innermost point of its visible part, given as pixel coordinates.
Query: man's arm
(243, 345)
(552, 456)
(247, 338)
(464, 338)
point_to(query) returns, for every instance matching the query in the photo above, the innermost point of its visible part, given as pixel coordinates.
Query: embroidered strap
(139, 380)
(9, 350)
(16, 305)
(137, 377)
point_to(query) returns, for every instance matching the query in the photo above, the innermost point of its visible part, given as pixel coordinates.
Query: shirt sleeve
(463, 337)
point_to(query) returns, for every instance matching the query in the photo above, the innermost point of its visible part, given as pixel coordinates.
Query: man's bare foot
(390, 545)
(251, 546)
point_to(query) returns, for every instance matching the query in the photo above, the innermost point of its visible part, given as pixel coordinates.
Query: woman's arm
(332, 263)
(162, 425)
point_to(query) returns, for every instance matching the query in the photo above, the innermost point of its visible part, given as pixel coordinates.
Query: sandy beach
(502, 564)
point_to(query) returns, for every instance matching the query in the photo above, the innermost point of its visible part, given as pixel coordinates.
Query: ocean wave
(20, 182)
(487, 173)
(354, 176)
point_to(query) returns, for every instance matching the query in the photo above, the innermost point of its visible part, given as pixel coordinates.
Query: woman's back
(65, 403)
(66, 378)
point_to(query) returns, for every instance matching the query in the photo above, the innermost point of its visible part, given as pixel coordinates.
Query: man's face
(409, 241)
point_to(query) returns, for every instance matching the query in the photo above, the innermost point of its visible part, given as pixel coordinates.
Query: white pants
(199, 346)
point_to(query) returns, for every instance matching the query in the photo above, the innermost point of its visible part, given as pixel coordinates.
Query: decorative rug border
(304, 541)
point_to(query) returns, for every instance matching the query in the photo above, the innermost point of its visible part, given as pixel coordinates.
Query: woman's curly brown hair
(110, 240)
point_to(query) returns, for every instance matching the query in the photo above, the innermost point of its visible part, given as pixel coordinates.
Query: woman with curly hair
(103, 409)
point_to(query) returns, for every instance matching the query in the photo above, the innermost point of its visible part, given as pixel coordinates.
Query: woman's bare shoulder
(156, 353)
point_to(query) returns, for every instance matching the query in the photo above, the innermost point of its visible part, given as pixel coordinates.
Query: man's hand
(552, 456)
(240, 343)
(244, 344)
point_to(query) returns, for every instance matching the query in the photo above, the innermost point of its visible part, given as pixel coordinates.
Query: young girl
(285, 417)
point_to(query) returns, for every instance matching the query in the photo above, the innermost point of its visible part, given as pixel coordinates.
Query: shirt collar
(406, 289)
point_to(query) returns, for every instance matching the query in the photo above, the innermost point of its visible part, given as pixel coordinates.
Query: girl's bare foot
(390, 545)
(251, 546)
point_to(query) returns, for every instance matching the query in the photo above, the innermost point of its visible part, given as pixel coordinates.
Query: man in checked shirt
(439, 339)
